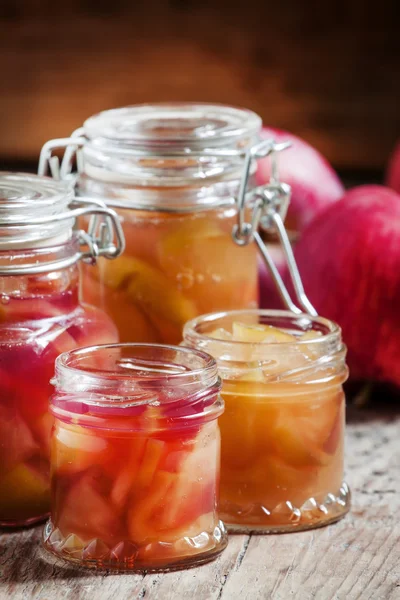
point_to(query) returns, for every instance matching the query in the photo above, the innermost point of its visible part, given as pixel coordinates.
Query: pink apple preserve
(135, 456)
(40, 317)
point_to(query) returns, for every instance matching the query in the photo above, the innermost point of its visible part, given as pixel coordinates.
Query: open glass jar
(283, 426)
(172, 172)
(135, 458)
(40, 316)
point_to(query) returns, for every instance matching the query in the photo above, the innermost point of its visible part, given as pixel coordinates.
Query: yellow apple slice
(75, 448)
(194, 247)
(155, 294)
(24, 494)
(303, 433)
(243, 332)
(149, 289)
(201, 257)
(310, 335)
(311, 351)
(221, 334)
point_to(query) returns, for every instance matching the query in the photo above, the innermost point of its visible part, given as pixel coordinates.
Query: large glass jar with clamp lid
(41, 316)
(173, 173)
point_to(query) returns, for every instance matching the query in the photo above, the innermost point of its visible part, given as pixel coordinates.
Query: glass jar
(283, 426)
(172, 172)
(135, 458)
(40, 316)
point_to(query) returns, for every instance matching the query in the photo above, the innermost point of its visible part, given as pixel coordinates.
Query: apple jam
(175, 267)
(40, 316)
(135, 456)
(283, 426)
(172, 173)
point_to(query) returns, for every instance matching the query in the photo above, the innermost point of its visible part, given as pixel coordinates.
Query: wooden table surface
(359, 557)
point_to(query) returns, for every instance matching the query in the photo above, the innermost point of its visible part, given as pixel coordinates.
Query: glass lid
(181, 127)
(21, 192)
(166, 146)
(24, 198)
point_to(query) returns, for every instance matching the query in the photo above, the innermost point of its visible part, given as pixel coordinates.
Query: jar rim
(151, 370)
(167, 145)
(316, 360)
(172, 126)
(25, 197)
(20, 190)
(191, 328)
(194, 391)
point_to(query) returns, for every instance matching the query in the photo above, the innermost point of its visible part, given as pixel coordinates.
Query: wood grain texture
(358, 558)
(326, 71)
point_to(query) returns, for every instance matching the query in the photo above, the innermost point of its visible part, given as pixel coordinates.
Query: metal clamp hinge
(267, 207)
(104, 236)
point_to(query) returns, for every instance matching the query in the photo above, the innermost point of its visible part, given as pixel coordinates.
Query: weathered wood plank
(358, 558)
(327, 71)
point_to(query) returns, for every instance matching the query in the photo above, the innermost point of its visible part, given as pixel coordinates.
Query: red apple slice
(140, 516)
(86, 512)
(125, 481)
(175, 501)
(153, 452)
(194, 492)
(17, 443)
(41, 430)
(29, 309)
(93, 328)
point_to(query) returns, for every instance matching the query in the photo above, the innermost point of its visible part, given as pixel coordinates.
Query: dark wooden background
(328, 71)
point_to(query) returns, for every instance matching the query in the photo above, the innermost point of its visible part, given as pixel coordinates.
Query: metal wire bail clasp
(269, 204)
(49, 163)
(104, 236)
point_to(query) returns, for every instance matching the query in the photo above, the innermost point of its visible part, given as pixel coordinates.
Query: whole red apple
(314, 183)
(349, 260)
(393, 171)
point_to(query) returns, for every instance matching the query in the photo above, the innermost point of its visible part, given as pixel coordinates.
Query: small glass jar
(40, 316)
(283, 426)
(172, 172)
(135, 458)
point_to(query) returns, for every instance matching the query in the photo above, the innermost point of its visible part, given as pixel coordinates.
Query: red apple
(393, 171)
(314, 183)
(268, 294)
(349, 260)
